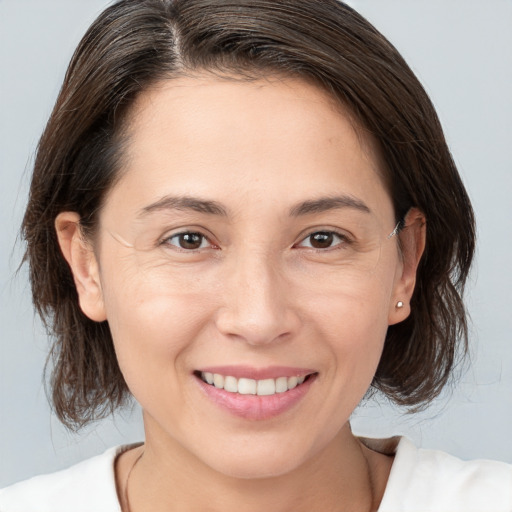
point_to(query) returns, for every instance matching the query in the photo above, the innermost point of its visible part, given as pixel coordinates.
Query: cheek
(154, 322)
(355, 328)
(353, 300)
(351, 316)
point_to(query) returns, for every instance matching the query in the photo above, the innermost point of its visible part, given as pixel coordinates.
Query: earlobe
(83, 264)
(412, 245)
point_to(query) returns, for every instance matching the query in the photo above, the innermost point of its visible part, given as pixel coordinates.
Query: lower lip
(254, 407)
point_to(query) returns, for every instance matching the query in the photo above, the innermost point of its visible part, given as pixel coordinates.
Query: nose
(258, 303)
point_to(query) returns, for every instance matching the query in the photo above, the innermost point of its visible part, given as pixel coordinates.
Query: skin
(254, 293)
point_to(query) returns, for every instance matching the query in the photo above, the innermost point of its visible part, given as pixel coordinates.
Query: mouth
(255, 394)
(247, 386)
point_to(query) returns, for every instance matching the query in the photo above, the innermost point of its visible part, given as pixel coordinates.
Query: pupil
(190, 240)
(321, 240)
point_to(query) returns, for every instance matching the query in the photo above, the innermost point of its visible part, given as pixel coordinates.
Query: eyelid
(345, 237)
(164, 240)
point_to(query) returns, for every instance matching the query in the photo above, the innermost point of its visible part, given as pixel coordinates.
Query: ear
(83, 263)
(412, 239)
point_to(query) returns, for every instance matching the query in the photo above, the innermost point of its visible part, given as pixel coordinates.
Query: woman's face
(247, 238)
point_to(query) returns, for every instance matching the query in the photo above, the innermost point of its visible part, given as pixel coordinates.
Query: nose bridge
(256, 306)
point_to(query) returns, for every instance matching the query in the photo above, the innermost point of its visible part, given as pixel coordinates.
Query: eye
(323, 240)
(188, 240)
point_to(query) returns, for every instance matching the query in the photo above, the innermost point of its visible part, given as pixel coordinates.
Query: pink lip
(253, 407)
(271, 372)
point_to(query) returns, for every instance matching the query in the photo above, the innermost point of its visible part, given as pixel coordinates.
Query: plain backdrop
(462, 52)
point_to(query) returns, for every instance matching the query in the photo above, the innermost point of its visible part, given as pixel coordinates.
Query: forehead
(277, 141)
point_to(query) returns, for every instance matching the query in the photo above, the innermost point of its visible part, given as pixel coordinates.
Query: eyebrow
(324, 204)
(210, 207)
(185, 203)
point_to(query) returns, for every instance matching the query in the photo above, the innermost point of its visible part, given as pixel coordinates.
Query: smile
(255, 394)
(245, 386)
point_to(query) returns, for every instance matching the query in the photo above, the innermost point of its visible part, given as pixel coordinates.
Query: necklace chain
(127, 501)
(125, 494)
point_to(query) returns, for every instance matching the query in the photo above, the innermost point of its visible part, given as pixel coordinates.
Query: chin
(252, 468)
(256, 459)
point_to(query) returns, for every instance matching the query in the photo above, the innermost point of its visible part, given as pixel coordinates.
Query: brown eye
(323, 240)
(189, 240)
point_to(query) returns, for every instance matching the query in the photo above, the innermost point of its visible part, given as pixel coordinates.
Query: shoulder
(89, 485)
(431, 480)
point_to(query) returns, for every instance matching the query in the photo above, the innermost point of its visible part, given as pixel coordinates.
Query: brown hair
(135, 43)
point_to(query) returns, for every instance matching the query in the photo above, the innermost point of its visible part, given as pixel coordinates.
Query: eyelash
(167, 241)
(343, 240)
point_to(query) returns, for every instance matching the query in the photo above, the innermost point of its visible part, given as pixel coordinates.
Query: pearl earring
(399, 304)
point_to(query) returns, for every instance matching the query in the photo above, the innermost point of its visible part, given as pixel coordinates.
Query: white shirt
(420, 481)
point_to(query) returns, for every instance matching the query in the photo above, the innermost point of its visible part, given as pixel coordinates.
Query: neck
(344, 476)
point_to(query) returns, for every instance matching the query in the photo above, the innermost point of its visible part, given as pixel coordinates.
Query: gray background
(462, 52)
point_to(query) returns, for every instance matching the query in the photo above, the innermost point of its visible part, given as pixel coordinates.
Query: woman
(245, 215)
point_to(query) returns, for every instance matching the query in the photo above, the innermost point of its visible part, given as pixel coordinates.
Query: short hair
(134, 44)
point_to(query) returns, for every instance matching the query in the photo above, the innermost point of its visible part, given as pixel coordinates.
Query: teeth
(218, 380)
(281, 384)
(265, 387)
(247, 386)
(231, 384)
(292, 382)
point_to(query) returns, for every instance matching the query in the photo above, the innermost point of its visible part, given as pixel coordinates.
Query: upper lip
(248, 372)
